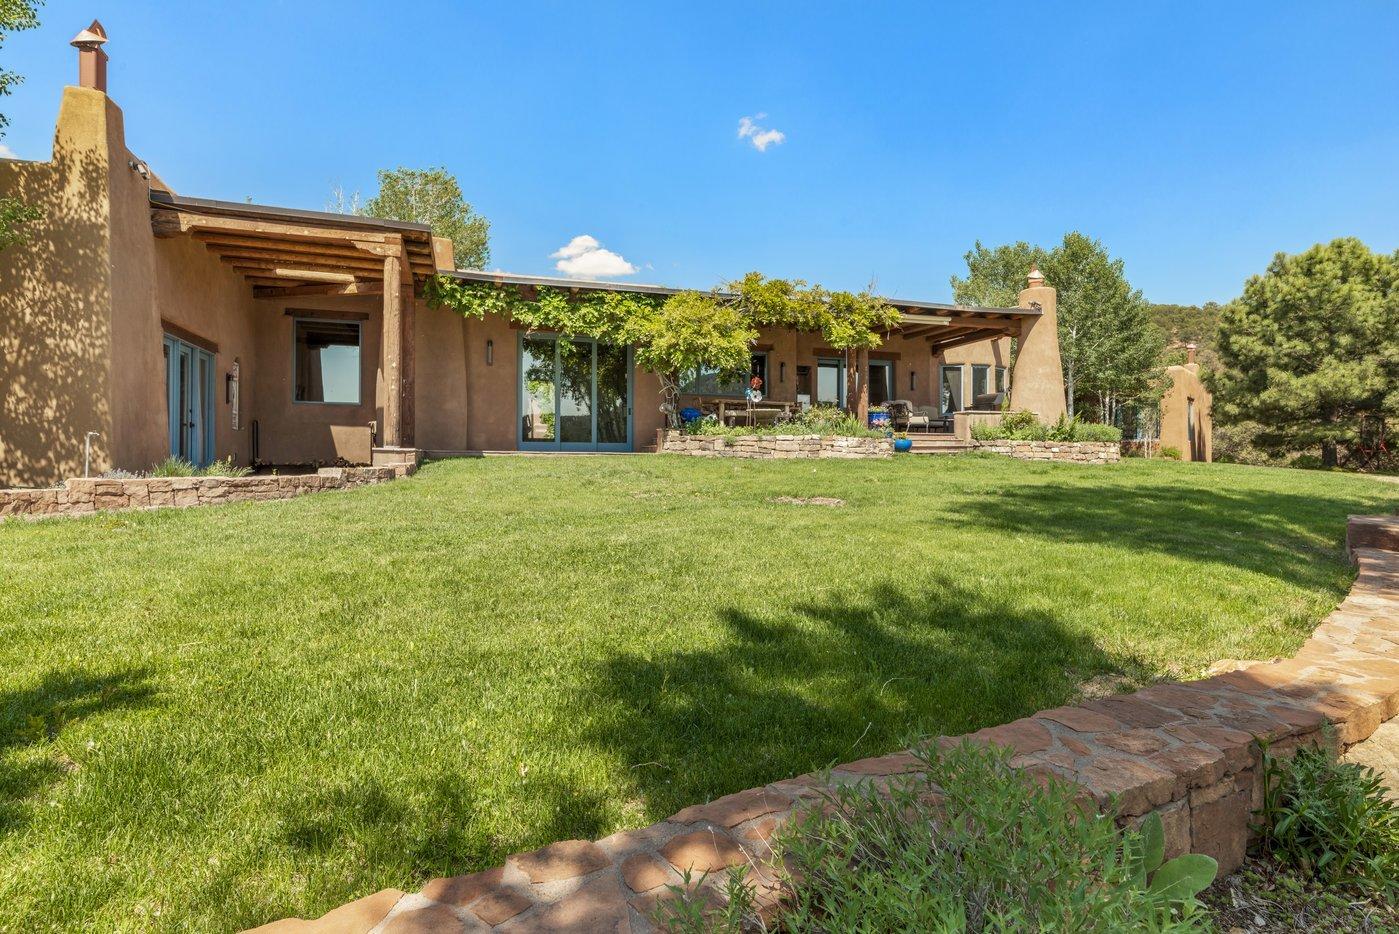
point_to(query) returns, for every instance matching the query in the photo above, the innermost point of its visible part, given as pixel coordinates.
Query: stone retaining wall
(777, 446)
(1077, 452)
(79, 496)
(1186, 751)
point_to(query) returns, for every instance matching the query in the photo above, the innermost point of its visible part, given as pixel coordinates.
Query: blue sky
(1195, 140)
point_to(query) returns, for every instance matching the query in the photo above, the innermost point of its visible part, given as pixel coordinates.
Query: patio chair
(934, 420)
(903, 416)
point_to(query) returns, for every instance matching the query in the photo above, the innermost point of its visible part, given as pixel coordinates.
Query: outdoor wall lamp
(912, 380)
(782, 372)
(490, 353)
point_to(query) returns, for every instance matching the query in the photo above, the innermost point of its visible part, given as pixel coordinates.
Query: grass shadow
(31, 717)
(829, 682)
(1290, 536)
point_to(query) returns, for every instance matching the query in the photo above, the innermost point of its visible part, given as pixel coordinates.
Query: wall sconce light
(912, 380)
(490, 353)
(782, 372)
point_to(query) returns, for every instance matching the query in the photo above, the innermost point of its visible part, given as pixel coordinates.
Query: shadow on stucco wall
(55, 300)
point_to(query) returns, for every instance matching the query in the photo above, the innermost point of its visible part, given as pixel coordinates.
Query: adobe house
(138, 323)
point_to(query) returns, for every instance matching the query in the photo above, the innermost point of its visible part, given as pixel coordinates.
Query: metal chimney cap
(90, 38)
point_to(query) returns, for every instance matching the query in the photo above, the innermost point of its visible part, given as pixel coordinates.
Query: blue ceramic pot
(903, 445)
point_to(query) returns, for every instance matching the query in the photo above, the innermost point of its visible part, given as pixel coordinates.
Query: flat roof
(559, 282)
(166, 199)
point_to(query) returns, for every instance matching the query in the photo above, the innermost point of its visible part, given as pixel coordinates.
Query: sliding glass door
(575, 395)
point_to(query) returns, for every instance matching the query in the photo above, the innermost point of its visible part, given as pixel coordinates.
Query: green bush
(225, 468)
(972, 845)
(1330, 820)
(1024, 426)
(1170, 453)
(824, 420)
(174, 467)
(179, 467)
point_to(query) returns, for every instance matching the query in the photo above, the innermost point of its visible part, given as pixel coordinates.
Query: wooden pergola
(282, 253)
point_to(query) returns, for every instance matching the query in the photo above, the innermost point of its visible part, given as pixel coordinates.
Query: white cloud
(584, 258)
(7, 153)
(761, 137)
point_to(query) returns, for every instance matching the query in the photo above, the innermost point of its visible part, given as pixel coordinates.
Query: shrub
(1024, 426)
(1330, 820)
(975, 845)
(174, 467)
(179, 467)
(225, 468)
(1170, 453)
(824, 420)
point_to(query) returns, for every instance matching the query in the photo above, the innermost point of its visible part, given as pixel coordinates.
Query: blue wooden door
(189, 401)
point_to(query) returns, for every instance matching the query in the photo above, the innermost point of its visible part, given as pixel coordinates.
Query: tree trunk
(862, 392)
(851, 384)
(1069, 389)
(1328, 454)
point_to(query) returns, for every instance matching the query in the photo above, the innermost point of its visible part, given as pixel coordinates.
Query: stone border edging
(1186, 751)
(777, 446)
(84, 496)
(1078, 452)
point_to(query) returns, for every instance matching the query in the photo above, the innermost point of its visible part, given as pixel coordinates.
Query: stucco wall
(1176, 411)
(442, 344)
(55, 300)
(293, 432)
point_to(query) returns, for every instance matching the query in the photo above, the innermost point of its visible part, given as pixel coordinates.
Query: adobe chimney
(1036, 278)
(92, 61)
(1190, 353)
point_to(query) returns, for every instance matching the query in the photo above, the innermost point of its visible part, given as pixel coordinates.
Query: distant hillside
(1186, 323)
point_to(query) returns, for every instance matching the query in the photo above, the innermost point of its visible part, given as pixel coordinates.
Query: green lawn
(216, 717)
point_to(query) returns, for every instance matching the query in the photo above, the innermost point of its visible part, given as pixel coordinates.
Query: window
(830, 382)
(981, 374)
(951, 389)
(1000, 379)
(327, 361)
(707, 382)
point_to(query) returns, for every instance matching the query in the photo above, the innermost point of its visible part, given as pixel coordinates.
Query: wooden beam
(252, 266)
(240, 254)
(972, 338)
(166, 222)
(305, 274)
(280, 244)
(353, 288)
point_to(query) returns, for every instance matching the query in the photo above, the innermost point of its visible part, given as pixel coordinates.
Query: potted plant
(902, 442)
(879, 416)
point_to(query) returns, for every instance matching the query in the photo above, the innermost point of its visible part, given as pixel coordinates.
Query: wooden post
(408, 404)
(862, 396)
(393, 353)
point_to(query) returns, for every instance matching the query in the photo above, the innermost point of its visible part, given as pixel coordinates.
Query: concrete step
(938, 445)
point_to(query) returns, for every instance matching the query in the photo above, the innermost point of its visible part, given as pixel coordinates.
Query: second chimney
(92, 61)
